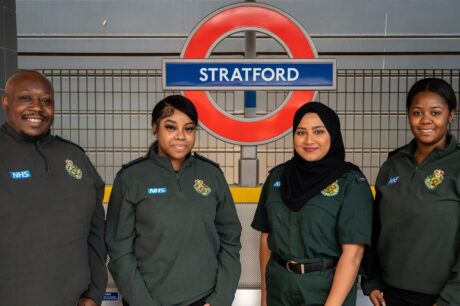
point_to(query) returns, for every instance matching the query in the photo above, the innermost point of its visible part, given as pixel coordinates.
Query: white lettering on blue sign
(253, 74)
(20, 175)
(111, 296)
(277, 184)
(244, 74)
(157, 190)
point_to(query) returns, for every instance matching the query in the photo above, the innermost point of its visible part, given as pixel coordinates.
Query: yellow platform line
(245, 194)
(240, 195)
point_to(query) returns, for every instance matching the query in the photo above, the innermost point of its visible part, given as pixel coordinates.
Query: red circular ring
(229, 20)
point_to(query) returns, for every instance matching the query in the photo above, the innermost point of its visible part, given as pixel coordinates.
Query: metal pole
(250, 95)
(249, 164)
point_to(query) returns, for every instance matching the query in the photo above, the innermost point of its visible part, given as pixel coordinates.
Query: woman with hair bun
(415, 258)
(173, 234)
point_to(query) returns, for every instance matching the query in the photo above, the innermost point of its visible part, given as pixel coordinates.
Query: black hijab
(302, 179)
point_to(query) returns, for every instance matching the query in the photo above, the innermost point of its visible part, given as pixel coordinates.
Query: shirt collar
(164, 161)
(40, 140)
(451, 145)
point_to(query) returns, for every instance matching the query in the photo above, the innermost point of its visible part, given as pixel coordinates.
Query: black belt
(302, 268)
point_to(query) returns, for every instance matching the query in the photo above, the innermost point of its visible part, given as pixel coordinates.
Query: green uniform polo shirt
(419, 212)
(173, 238)
(52, 249)
(339, 214)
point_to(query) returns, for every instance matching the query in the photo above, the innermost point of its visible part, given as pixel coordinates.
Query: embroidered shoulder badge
(331, 190)
(432, 181)
(73, 170)
(201, 187)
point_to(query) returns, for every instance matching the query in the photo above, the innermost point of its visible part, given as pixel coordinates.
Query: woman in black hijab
(315, 216)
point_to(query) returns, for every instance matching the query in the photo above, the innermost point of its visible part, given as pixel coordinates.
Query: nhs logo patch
(20, 175)
(157, 190)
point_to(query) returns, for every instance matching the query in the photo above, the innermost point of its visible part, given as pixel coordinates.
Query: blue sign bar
(292, 74)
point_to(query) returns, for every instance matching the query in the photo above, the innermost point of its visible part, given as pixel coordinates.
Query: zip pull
(42, 156)
(413, 173)
(179, 187)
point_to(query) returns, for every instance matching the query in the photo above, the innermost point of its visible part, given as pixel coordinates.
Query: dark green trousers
(311, 289)
(200, 302)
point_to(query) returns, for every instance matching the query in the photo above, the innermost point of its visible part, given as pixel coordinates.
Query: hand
(207, 304)
(377, 298)
(84, 301)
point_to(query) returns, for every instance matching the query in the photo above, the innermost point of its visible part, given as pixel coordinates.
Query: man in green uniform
(52, 250)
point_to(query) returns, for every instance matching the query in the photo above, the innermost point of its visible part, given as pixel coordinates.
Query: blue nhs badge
(277, 184)
(20, 175)
(157, 190)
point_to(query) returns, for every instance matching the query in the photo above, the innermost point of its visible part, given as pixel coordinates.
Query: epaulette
(134, 161)
(359, 176)
(69, 142)
(201, 157)
(390, 154)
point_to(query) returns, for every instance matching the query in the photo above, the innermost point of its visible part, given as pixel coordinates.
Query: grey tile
(11, 62)
(11, 4)
(2, 26)
(11, 38)
(2, 81)
(2, 68)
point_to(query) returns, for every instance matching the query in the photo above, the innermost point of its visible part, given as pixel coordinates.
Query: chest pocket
(329, 206)
(277, 214)
(319, 215)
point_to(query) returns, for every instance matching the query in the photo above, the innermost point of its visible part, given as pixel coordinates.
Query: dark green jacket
(173, 238)
(52, 248)
(418, 224)
(341, 213)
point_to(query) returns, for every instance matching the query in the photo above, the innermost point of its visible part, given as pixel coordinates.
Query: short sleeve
(260, 221)
(355, 216)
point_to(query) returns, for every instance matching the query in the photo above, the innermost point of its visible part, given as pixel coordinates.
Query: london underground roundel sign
(195, 73)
